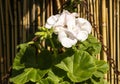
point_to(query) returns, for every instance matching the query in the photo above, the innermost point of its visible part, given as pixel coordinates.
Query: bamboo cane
(39, 17)
(111, 37)
(7, 30)
(1, 58)
(15, 23)
(0, 46)
(78, 9)
(3, 68)
(7, 37)
(33, 17)
(118, 37)
(114, 38)
(28, 21)
(107, 39)
(20, 22)
(51, 6)
(12, 32)
(43, 17)
(97, 21)
(104, 29)
(88, 2)
(58, 3)
(24, 19)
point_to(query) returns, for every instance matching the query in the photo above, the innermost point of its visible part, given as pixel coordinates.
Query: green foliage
(79, 67)
(37, 64)
(31, 74)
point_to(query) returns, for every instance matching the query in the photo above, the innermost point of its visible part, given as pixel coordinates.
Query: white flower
(69, 28)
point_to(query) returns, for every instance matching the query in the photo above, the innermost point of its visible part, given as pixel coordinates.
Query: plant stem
(54, 49)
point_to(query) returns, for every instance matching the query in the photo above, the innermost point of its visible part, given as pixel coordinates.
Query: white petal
(70, 33)
(61, 20)
(48, 25)
(51, 20)
(65, 41)
(70, 21)
(82, 35)
(58, 29)
(84, 24)
(75, 14)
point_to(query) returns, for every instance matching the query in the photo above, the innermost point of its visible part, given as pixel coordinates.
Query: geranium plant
(63, 53)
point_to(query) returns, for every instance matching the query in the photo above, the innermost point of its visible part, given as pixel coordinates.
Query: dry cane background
(19, 20)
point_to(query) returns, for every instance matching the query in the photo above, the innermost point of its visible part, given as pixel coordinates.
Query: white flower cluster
(69, 28)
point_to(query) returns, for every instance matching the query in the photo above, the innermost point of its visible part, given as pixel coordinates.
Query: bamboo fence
(19, 20)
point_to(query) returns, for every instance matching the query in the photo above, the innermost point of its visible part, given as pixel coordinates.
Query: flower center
(65, 26)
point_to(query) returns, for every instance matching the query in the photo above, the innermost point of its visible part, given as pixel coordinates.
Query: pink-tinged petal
(65, 41)
(82, 35)
(84, 25)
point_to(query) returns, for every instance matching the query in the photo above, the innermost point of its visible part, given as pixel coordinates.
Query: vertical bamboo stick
(39, 17)
(107, 35)
(0, 51)
(97, 20)
(33, 16)
(94, 15)
(51, 6)
(15, 23)
(7, 35)
(118, 36)
(43, 17)
(58, 3)
(7, 27)
(28, 20)
(104, 29)
(111, 36)
(3, 68)
(88, 7)
(20, 22)
(97, 14)
(0, 45)
(12, 32)
(114, 45)
(48, 8)
(78, 7)
(24, 19)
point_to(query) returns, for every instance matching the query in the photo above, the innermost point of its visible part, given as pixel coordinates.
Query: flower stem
(54, 49)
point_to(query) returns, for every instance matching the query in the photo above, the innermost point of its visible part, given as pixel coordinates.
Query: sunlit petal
(51, 20)
(65, 41)
(84, 24)
(82, 35)
(70, 21)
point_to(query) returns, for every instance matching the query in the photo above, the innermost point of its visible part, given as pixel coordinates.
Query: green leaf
(79, 67)
(17, 61)
(102, 66)
(54, 77)
(27, 58)
(91, 45)
(29, 74)
(101, 81)
(46, 81)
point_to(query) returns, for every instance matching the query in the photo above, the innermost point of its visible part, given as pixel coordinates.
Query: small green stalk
(54, 49)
